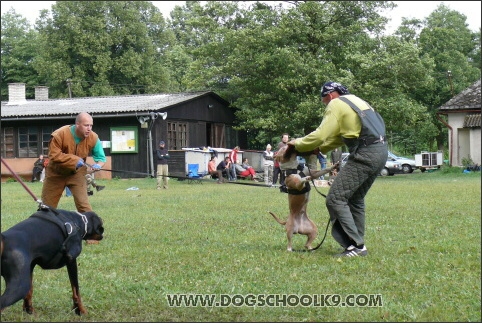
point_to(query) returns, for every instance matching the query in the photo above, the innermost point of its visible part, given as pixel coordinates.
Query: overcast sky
(407, 9)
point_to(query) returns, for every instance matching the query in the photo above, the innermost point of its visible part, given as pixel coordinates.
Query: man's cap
(329, 87)
(161, 142)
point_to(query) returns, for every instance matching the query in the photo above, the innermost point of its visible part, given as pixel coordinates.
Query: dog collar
(84, 219)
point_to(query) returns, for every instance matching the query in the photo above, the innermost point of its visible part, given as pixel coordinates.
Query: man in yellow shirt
(349, 121)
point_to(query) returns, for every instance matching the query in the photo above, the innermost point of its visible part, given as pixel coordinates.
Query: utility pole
(69, 83)
(449, 75)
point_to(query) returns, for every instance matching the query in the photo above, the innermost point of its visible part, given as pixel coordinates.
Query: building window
(46, 132)
(176, 135)
(28, 142)
(8, 144)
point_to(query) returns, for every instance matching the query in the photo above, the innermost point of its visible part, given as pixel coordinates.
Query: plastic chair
(193, 175)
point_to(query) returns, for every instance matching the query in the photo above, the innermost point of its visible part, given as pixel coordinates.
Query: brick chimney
(41, 93)
(16, 94)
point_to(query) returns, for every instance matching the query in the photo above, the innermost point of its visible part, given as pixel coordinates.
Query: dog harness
(69, 230)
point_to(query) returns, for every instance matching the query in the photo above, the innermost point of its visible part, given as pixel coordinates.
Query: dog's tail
(277, 219)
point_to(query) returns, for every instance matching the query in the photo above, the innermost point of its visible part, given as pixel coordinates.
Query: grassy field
(423, 237)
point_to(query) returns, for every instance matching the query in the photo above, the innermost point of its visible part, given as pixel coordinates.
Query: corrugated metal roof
(96, 105)
(472, 121)
(469, 99)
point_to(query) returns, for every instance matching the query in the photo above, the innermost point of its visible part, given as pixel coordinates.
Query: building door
(217, 135)
(463, 145)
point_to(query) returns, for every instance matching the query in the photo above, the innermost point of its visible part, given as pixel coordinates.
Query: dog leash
(119, 171)
(39, 201)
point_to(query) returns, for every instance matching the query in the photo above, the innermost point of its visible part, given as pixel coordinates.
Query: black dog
(49, 238)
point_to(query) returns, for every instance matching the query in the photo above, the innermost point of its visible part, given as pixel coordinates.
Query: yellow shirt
(340, 121)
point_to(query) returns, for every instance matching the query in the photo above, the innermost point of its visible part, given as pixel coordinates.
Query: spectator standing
(162, 167)
(335, 156)
(38, 167)
(233, 156)
(69, 147)
(351, 121)
(268, 163)
(276, 168)
(322, 160)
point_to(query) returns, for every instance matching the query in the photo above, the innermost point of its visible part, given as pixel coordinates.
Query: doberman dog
(298, 189)
(51, 238)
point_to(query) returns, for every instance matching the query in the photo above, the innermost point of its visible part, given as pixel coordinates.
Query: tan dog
(298, 221)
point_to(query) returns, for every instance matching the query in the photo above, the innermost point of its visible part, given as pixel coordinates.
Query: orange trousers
(54, 185)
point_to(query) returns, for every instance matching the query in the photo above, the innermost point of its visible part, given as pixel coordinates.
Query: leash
(119, 171)
(39, 201)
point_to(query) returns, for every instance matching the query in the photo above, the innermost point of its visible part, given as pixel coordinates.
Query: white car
(408, 165)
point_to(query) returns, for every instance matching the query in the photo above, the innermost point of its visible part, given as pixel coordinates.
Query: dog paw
(28, 309)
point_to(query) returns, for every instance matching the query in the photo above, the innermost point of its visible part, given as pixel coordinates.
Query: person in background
(69, 147)
(322, 160)
(268, 163)
(42, 176)
(233, 156)
(335, 156)
(246, 170)
(276, 169)
(91, 183)
(212, 167)
(162, 167)
(348, 120)
(223, 169)
(38, 168)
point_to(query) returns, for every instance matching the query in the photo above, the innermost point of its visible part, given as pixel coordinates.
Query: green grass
(423, 236)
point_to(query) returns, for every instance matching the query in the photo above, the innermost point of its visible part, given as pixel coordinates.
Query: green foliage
(450, 170)
(104, 47)
(466, 161)
(423, 236)
(18, 43)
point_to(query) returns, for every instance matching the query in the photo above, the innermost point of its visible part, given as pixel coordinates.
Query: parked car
(408, 165)
(392, 166)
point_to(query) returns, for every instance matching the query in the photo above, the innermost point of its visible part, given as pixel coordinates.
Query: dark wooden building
(130, 127)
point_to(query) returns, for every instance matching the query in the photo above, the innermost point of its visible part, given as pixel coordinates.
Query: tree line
(267, 59)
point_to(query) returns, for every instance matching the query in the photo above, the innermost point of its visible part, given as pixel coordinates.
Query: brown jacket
(62, 150)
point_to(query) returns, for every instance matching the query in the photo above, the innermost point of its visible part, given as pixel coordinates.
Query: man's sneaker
(99, 188)
(353, 251)
(90, 193)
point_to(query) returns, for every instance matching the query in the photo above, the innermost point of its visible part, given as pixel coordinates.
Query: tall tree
(103, 48)
(18, 51)
(447, 39)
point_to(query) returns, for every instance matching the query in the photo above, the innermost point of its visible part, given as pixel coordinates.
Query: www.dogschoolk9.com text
(274, 300)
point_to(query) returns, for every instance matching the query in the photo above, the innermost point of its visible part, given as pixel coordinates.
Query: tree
(18, 51)
(447, 39)
(104, 48)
